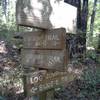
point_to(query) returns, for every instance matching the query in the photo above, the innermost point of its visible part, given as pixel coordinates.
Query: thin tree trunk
(79, 15)
(92, 20)
(84, 16)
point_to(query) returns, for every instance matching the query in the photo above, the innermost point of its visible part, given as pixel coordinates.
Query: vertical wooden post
(50, 95)
(42, 96)
(24, 85)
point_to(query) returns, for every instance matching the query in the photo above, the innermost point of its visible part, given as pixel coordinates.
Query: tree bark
(79, 15)
(83, 21)
(84, 16)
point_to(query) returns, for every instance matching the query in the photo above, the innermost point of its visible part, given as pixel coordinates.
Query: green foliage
(91, 54)
(96, 29)
(91, 77)
(7, 22)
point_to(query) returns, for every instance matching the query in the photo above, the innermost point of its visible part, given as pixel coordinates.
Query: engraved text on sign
(49, 59)
(51, 39)
(44, 81)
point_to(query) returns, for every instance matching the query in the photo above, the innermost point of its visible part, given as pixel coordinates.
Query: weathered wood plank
(46, 14)
(48, 39)
(47, 59)
(36, 84)
(33, 13)
(50, 95)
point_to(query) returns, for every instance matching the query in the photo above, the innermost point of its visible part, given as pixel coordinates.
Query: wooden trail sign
(47, 59)
(48, 39)
(33, 13)
(45, 49)
(45, 81)
(46, 14)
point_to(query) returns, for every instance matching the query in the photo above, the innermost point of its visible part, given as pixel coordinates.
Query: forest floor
(86, 87)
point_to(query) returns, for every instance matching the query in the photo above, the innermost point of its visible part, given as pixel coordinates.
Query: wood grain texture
(47, 59)
(46, 14)
(48, 39)
(37, 84)
(33, 13)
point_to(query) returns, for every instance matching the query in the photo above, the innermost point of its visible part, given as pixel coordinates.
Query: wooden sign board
(49, 39)
(47, 59)
(46, 14)
(42, 82)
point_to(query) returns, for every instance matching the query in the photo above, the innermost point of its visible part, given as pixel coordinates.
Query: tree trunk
(84, 16)
(92, 21)
(79, 15)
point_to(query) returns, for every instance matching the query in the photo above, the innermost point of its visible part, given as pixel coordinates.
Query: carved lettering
(52, 39)
(47, 81)
(49, 59)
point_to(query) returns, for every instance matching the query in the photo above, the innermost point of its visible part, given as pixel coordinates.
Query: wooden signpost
(43, 50)
(46, 50)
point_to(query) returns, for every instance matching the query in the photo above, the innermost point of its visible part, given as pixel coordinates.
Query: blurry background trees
(8, 23)
(7, 18)
(93, 23)
(7, 14)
